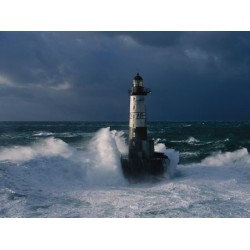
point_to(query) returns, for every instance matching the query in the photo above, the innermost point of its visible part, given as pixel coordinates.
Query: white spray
(47, 147)
(238, 157)
(103, 157)
(55, 159)
(172, 155)
(62, 165)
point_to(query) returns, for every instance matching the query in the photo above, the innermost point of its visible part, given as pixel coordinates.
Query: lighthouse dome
(138, 77)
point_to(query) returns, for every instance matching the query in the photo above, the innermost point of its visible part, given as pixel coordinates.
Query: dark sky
(84, 76)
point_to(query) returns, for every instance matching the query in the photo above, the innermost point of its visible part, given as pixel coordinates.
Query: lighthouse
(137, 120)
(141, 159)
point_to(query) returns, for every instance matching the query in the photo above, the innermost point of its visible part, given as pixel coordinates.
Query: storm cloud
(86, 75)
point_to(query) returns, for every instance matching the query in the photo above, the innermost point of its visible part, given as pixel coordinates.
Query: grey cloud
(85, 75)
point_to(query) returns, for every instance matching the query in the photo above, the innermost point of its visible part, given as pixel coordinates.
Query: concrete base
(137, 168)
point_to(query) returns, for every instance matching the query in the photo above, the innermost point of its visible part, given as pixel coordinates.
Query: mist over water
(73, 170)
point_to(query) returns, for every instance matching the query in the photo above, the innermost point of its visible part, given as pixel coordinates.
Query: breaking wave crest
(173, 156)
(62, 164)
(46, 147)
(43, 134)
(237, 157)
(103, 157)
(191, 140)
(50, 163)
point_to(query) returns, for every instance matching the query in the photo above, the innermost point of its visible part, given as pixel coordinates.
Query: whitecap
(43, 134)
(240, 156)
(192, 140)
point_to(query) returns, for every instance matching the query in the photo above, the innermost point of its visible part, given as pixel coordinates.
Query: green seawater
(72, 169)
(194, 140)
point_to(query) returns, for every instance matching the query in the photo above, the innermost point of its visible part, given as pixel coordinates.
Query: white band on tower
(137, 111)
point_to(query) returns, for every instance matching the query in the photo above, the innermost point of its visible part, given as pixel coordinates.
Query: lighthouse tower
(141, 159)
(139, 146)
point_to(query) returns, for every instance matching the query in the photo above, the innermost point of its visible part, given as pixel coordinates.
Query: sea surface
(72, 169)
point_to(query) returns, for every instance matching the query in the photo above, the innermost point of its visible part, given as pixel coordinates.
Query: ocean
(72, 170)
